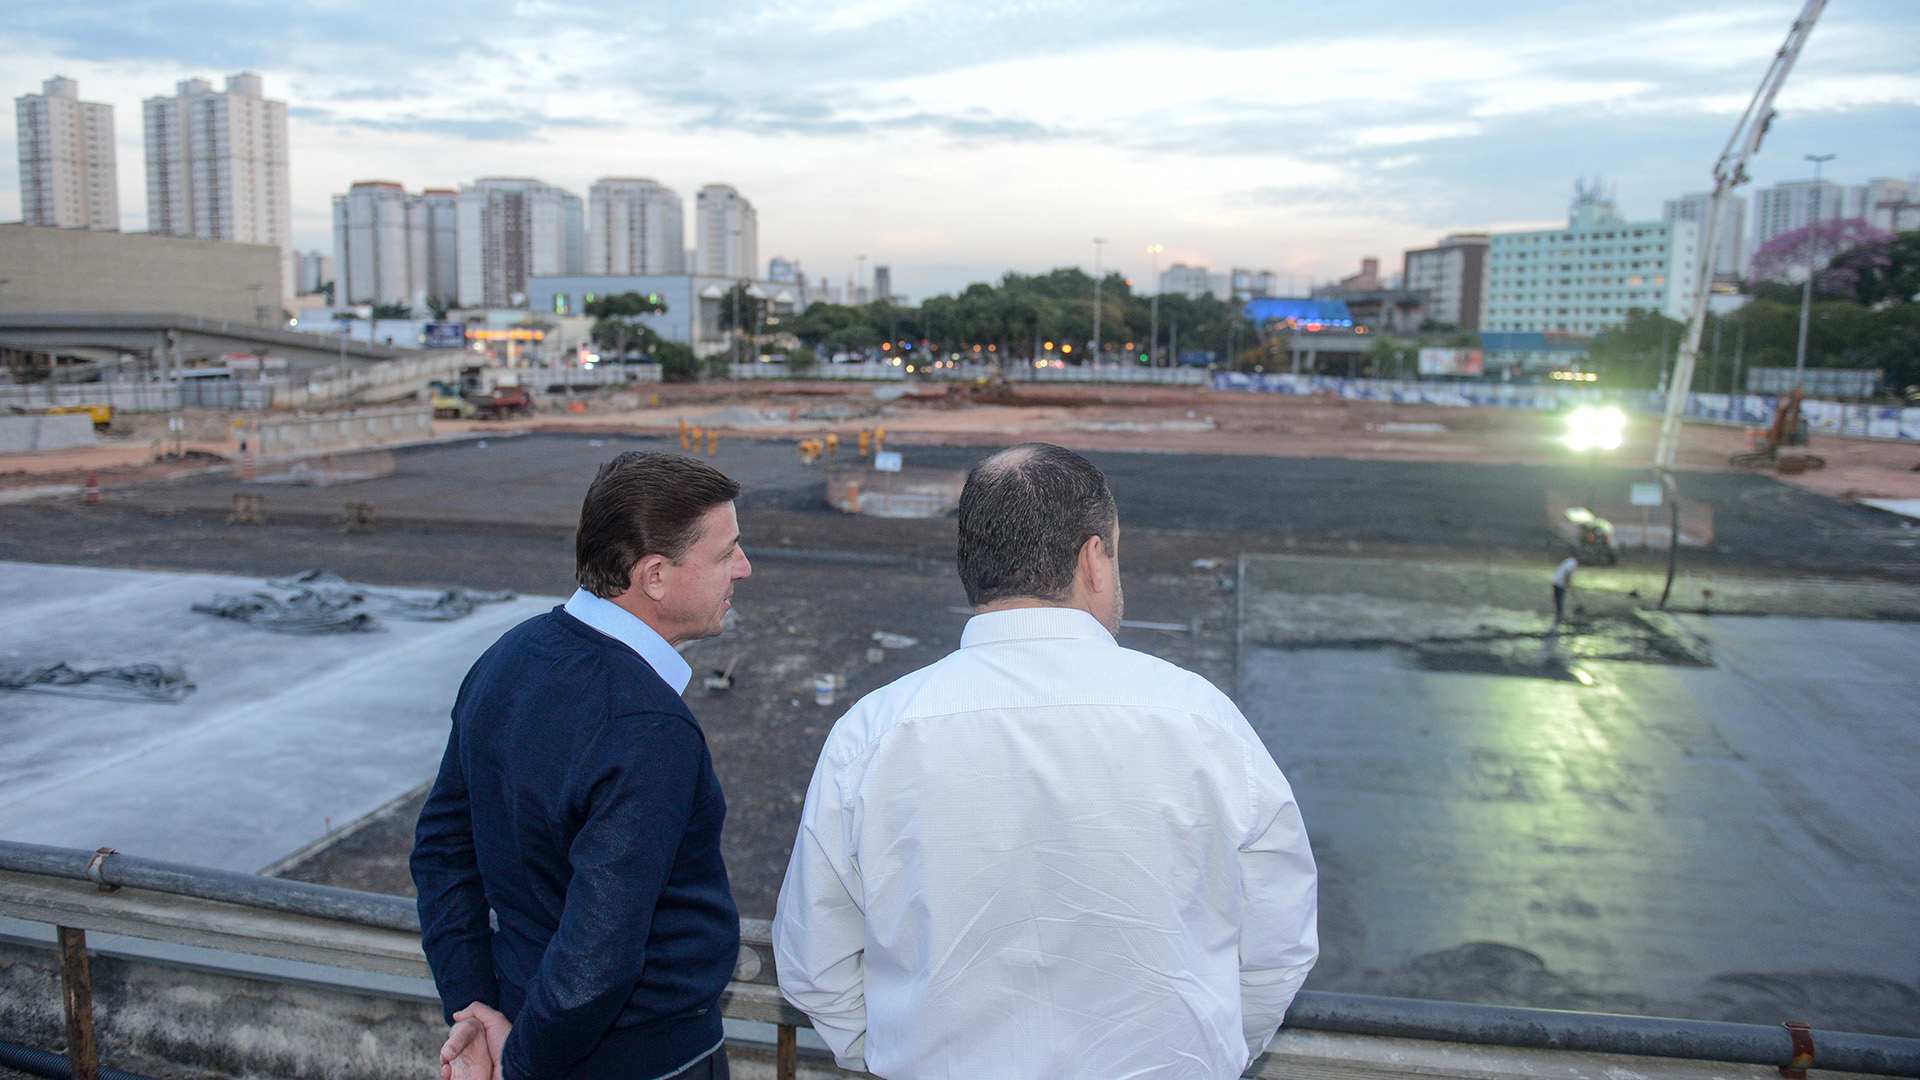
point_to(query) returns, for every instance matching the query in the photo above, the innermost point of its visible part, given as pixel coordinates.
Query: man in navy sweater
(573, 903)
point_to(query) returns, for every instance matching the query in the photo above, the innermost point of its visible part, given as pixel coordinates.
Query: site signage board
(1452, 362)
(444, 335)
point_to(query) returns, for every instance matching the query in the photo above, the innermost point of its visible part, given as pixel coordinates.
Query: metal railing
(370, 932)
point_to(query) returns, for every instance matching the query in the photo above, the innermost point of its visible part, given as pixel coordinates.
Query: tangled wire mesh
(144, 682)
(322, 602)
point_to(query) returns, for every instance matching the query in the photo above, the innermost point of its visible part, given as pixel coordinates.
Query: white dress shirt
(630, 630)
(1046, 857)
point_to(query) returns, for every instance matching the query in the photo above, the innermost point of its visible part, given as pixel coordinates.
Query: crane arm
(1728, 173)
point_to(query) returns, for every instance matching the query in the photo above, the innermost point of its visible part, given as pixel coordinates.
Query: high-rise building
(634, 227)
(1248, 284)
(1453, 274)
(1796, 204)
(511, 229)
(68, 178)
(727, 233)
(882, 283)
(780, 268)
(439, 210)
(1891, 205)
(1192, 282)
(312, 270)
(1730, 260)
(379, 244)
(217, 166)
(1584, 278)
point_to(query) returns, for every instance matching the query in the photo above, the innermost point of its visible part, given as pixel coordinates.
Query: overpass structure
(174, 341)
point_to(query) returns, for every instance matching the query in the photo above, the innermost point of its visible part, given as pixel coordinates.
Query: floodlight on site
(1589, 428)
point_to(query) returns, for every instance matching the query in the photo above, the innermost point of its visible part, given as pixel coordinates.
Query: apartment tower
(511, 229)
(634, 227)
(68, 179)
(727, 240)
(217, 166)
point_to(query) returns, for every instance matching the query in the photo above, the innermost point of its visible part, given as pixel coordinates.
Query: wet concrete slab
(1739, 841)
(284, 736)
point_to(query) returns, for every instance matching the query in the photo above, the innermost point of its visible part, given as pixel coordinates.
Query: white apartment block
(727, 234)
(1796, 204)
(1730, 258)
(511, 229)
(217, 166)
(395, 248)
(1453, 274)
(68, 178)
(634, 227)
(1584, 278)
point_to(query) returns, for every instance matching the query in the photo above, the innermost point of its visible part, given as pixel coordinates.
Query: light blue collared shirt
(625, 627)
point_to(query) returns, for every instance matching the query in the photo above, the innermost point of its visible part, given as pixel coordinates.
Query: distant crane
(1728, 173)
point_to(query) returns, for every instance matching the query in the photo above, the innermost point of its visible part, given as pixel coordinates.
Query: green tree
(617, 326)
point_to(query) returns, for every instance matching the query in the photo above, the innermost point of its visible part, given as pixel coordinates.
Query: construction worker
(1562, 584)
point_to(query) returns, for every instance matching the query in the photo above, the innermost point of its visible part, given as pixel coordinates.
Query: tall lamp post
(1806, 292)
(1153, 337)
(1097, 272)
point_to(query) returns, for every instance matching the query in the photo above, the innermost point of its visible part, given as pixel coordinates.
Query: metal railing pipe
(112, 870)
(1597, 1033)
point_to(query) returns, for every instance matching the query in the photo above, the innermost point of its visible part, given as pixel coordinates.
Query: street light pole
(1153, 338)
(1806, 292)
(1097, 241)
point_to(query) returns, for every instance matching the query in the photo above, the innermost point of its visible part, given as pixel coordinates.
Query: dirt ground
(1162, 419)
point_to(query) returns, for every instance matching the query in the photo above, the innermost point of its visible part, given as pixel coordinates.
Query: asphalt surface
(1261, 504)
(500, 515)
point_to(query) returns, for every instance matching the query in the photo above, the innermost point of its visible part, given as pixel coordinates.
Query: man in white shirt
(1046, 856)
(1563, 581)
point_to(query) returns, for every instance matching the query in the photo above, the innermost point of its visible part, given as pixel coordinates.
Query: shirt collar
(627, 628)
(1029, 624)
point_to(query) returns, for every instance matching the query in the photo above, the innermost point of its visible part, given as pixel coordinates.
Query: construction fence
(1739, 410)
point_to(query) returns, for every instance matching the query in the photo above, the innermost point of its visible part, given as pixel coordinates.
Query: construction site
(1508, 809)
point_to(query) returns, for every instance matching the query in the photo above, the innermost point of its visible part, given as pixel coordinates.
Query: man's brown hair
(643, 504)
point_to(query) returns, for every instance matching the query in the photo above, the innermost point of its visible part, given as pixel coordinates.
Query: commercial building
(693, 302)
(883, 283)
(68, 178)
(727, 234)
(510, 230)
(1586, 277)
(1730, 257)
(1376, 304)
(395, 248)
(88, 272)
(217, 166)
(1453, 275)
(634, 227)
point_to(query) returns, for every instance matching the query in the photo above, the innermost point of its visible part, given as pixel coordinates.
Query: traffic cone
(91, 497)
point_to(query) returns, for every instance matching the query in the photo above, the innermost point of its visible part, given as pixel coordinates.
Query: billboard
(444, 335)
(1452, 362)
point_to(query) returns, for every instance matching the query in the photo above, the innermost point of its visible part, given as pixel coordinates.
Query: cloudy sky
(955, 140)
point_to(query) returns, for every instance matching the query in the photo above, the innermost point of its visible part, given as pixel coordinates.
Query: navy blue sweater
(578, 803)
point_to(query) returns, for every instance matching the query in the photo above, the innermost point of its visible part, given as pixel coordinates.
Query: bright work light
(1595, 429)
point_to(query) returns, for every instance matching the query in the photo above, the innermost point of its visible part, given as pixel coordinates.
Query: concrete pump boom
(1728, 173)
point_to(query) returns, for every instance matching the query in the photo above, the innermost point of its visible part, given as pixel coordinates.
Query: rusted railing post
(76, 986)
(786, 1054)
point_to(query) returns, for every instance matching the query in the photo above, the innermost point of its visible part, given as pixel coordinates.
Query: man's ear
(650, 577)
(1095, 564)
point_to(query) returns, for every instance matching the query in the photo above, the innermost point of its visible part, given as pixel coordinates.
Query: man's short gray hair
(1025, 513)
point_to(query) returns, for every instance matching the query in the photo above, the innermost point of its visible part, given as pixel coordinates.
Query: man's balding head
(1024, 516)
